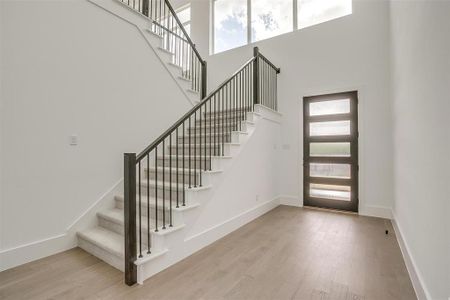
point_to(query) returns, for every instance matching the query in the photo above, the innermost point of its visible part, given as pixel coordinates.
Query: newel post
(130, 217)
(256, 76)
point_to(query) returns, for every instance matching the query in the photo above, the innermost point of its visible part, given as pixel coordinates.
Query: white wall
(69, 67)
(344, 54)
(421, 96)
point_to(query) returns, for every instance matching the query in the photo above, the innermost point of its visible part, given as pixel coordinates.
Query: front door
(330, 158)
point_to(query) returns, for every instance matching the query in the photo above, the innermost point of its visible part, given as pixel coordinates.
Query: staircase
(106, 240)
(168, 182)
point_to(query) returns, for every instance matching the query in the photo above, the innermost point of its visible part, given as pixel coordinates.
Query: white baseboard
(22, 254)
(414, 273)
(290, 200)
(15, 256)
(367, 210)
(376, 211)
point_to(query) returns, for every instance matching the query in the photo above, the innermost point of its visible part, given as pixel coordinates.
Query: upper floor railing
(157, 179)
(175, 40)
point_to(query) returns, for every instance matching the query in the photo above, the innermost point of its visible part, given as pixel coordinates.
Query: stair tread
(184, 79)
(114, 243)
(116, 215)
(175, 65)
(174, 184)
(165, 51)
(154, 33)
(192, 156)
(108, 240)
(207, 144)
(214, 133)
(208, 125)
(166, 168)
(153, 203)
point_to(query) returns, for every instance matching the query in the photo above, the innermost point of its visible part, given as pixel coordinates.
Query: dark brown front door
(330, 158)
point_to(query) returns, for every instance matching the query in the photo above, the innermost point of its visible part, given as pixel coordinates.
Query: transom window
(240, 22)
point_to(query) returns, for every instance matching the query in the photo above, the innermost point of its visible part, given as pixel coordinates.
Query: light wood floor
(289, 253)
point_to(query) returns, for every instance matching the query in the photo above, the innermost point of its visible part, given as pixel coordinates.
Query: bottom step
(104, 244)
(109, 247)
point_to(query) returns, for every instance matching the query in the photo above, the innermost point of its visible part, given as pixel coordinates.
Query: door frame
(353, 138)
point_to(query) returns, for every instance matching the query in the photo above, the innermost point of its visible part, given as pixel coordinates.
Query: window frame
(249, 24)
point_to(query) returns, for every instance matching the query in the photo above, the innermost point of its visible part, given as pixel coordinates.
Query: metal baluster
(148, 202)
(210, 129)
(140, 207)
(160, 15)
(194, 82)
(195, 151)
(228, 111)
(189, 149)
(170, 179)
(184, 175)
(164, 183)
(276, 91)
(236, 101)
(205, 151)
(273, 88)
(178, 182)
(200, 146)
(156, 189)
(214, 121)
(238, 92)
(241, 98)
(222, 119)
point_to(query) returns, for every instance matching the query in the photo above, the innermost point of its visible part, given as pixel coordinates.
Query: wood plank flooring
(288, 253)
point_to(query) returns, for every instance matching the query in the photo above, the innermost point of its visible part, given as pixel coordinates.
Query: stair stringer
(208, 220)
(143, 24)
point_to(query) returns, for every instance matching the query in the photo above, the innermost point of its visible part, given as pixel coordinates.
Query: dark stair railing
(176, 40)
(156, 180)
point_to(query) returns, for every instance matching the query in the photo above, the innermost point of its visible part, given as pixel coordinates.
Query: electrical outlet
(73, 140)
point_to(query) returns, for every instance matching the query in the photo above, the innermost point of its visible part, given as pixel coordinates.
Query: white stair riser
(195, 162)
(212, 149)
(231, 149)
(210, 130)
(165, 56)
(177, 219)
(227, 117)
(153, 37)
(177, 214)
(233, 137)
(252, 117)
(113, 260)
(152, 174)
(185, 83)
